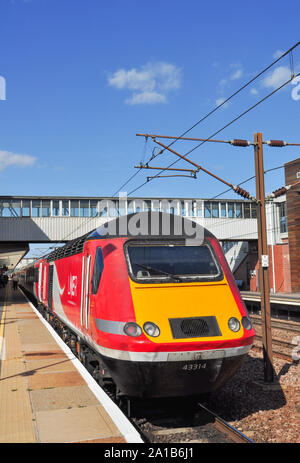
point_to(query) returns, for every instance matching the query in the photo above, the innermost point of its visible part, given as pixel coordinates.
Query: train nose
(179, 375)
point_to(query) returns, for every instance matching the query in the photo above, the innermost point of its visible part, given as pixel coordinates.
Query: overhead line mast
(240, 191)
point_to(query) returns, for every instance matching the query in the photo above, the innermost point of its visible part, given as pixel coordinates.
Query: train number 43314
(194, 366)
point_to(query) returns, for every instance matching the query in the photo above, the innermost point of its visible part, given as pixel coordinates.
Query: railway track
(278, 324)
(277, 342)
(181, 421)
(286, 348)
(277, 353)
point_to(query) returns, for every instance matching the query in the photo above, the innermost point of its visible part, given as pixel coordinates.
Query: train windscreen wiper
(161, 272)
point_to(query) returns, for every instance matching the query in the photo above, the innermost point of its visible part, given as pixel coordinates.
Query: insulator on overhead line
(279, 192)
(278, 143)
(239, 142)
(240, 191)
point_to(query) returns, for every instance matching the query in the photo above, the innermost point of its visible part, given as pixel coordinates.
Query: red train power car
(154, 314)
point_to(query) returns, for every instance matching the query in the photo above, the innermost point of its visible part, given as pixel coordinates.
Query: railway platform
(46, 395)
(275, 298)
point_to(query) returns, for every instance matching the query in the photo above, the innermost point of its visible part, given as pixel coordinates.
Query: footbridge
(46, 219)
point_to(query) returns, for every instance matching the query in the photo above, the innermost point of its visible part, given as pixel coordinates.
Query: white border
(125, 427)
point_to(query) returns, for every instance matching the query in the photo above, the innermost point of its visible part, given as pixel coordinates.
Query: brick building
(292, 175)
(283, 230)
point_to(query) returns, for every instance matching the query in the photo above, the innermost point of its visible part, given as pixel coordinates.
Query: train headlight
(246, 322)
(132, 329)
(234, 324)
(151, 329)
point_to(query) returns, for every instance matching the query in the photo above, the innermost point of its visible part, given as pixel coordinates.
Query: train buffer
(46, 395)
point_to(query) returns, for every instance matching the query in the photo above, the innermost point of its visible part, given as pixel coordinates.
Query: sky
(79, 79)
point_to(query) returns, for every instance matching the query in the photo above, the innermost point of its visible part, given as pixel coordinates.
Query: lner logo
(2, 88)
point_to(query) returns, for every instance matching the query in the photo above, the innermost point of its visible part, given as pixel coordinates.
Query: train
(151, 310)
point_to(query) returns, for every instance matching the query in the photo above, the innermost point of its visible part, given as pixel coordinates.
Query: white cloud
(277, 54)
(253, 91)
(146, 98)
(8, 159)
(277, 77)
(223, 83)
(236, 75)
(148, 85)
(220, 101)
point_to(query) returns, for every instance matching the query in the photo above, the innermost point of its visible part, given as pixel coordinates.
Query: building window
(238, 211)
(55, 207)
(246, 210)
(155, 205)
(138, 206)
(46, 208)
(74, 208)
(198, 208)
(282, 218)
(10, 208)
(2, 208)
(190, 209)
(215, 210)
(130, 207)
(84, 208)
(113, 208)
(65, 208)
(36, 208)
(26, 208)
(16, 208)
(147, 206)
(223, 209)
(253, 211)
(231, 210)
(164, 205)
(207, 209)
(93, 208)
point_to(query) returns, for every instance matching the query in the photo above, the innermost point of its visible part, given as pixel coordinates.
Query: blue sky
(84, 76)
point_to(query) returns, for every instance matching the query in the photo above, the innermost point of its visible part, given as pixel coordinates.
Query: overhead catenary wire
(237, 189)
(221, 129)
(245, 181)
(236, 93)
(127, 181)
(242, 114)
(216, 108)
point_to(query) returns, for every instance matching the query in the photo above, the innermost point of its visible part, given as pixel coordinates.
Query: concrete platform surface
(46, 396)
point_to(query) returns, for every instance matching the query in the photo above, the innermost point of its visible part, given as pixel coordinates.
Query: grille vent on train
(71, 248)
(197, 327)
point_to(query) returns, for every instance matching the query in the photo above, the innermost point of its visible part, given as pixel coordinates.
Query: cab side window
(98, 269)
